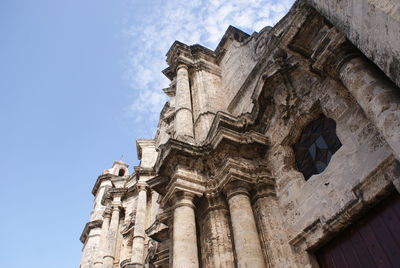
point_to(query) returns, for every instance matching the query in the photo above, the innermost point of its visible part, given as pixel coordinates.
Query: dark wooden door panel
(372, 242)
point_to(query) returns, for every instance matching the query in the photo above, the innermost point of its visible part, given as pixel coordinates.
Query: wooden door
(374, 241)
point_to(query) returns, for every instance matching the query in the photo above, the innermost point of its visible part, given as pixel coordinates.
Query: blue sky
(80, 81)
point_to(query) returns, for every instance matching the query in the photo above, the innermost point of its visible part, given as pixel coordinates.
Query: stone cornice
(143, 171)
(111, 192)
(231, 34)
(226, 129)
(184, 181)
(99, 180)
(158, 231)
(199, 56)
(238, 170)
(158, 184)
(88, 227)
(196, 57)
(224, 126)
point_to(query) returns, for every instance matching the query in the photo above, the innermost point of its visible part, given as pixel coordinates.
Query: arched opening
(121, 172)
(317, 144)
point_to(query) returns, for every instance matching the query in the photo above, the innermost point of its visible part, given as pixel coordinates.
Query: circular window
(317, 144)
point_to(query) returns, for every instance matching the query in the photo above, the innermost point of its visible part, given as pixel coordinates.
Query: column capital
(236, 187)
(183, 198)
(182, 65)
(116, 207)
(214, 201)
(341, 58)
(142, 186)
(262, 190)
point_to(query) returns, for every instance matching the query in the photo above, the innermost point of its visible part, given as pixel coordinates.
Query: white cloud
(195, 21)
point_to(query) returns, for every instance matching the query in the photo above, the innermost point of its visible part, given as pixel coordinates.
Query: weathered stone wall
(207, 101)
(323, 196)
(90, 248)
(371, 25)
(236, 65)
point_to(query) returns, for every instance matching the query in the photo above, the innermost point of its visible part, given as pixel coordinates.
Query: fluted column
(377, 96)
(103, 236)
(185, 253)
(183, 124)
(109, 251)
(140, 227)
(245, 235)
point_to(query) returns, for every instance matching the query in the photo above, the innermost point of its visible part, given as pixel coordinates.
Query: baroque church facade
(277, 149)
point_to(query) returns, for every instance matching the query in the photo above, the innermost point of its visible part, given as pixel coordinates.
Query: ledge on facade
(158, 231)
(112, 191)
(99, 180)
(169, 72)
(224, 126)
(225, 131)
(193, 55)
(144, 171)
(179, 49)
(89, 226)
(227, 126)
(158, 184)
(169, 91)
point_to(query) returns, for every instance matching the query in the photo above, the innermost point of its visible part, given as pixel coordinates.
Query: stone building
(277, 149)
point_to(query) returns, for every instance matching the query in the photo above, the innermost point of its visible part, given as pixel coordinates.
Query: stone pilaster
(103, 236)
(183, 124)
(379, 98)
(245, 235)
(140, 227)
(111, 241)
(185, 254)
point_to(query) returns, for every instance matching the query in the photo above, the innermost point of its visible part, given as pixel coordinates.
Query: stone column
(183, 124)
(140, 227)
(219, 236)
(109, 251)
(268, 215)
(377, 96)
(245, 235)
(185, 253)
(103, 236)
